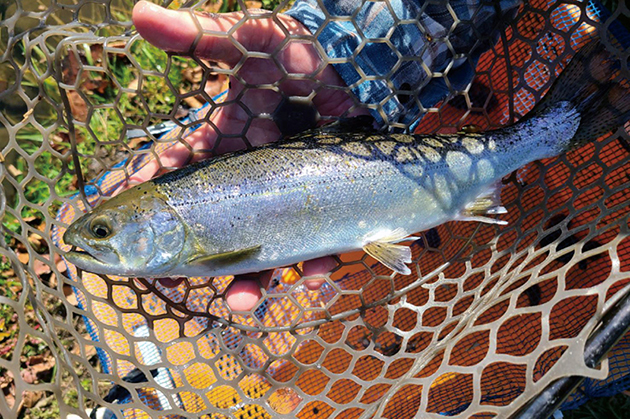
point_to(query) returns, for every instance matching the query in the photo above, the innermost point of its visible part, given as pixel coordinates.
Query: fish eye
(99, 228)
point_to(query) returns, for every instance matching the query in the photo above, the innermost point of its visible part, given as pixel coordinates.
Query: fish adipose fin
(225, 258)
(382, 247)
(591, 83)
(487, 203)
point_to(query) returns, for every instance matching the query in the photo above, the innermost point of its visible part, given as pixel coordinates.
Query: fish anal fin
(218, 259)
(394, 256)
(487, 203)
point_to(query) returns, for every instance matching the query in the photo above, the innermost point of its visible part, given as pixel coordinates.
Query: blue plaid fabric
(400, 45)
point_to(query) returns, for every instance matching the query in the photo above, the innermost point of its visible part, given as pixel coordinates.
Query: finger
(245, 290)
(178, 30)
(317, 266)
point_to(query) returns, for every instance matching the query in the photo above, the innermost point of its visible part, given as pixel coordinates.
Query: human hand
(176, 31)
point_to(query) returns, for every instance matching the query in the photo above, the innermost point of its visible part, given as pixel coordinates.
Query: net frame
(242, 345)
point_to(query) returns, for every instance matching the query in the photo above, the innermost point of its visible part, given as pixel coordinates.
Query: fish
(337, 189)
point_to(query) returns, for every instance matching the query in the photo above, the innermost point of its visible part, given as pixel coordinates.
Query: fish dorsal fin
(487, 203)
(218, 259)
(382, 247)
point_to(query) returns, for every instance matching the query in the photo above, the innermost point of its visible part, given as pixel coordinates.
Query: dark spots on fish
(534, 294)
(315, 411)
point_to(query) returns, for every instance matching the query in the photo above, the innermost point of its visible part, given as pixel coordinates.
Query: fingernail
(144, 6)
(154, 7)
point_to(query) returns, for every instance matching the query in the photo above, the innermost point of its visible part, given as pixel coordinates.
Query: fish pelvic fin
(591, 83)
(221, 259)
(487, 203)
(382, 247)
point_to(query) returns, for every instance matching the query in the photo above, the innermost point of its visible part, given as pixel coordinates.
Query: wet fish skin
(319, 194)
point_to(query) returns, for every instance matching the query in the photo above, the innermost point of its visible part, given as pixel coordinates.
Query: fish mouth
(82, 259)
(85, 261)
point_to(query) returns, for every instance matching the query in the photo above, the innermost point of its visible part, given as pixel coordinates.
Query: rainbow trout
(336, 190)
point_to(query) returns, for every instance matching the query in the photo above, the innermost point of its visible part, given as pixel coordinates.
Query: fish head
(136, 233)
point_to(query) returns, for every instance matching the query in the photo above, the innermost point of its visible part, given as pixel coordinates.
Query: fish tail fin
(591, 83)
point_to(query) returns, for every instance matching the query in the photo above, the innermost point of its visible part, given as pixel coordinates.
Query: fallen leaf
(133, 85)
(9, 346)
(61, 266)
(40, 268)
(193, 75)
(36, 240)
(28, 376)
(78, 107)
(212, 7)
(138, 142)
(191, 101)
(30, 398)
(4, 332)
(70, 295)
(96, 50)
(41, 371)
(35, 359)
(60, 137)
(89, 350)
(27, 114)
(116, 44)
(10, 399)
(216, 85)
(13, 171)
(70, 68)
(98, 86)
(23, 257)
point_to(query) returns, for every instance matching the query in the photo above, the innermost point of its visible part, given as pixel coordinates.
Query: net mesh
(488, 318)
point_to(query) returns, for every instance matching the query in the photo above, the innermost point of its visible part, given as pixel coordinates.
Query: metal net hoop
(489, 318)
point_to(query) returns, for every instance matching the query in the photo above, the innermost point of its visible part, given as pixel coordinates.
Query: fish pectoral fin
(394, 256)
(223, 258)
(487, 203)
